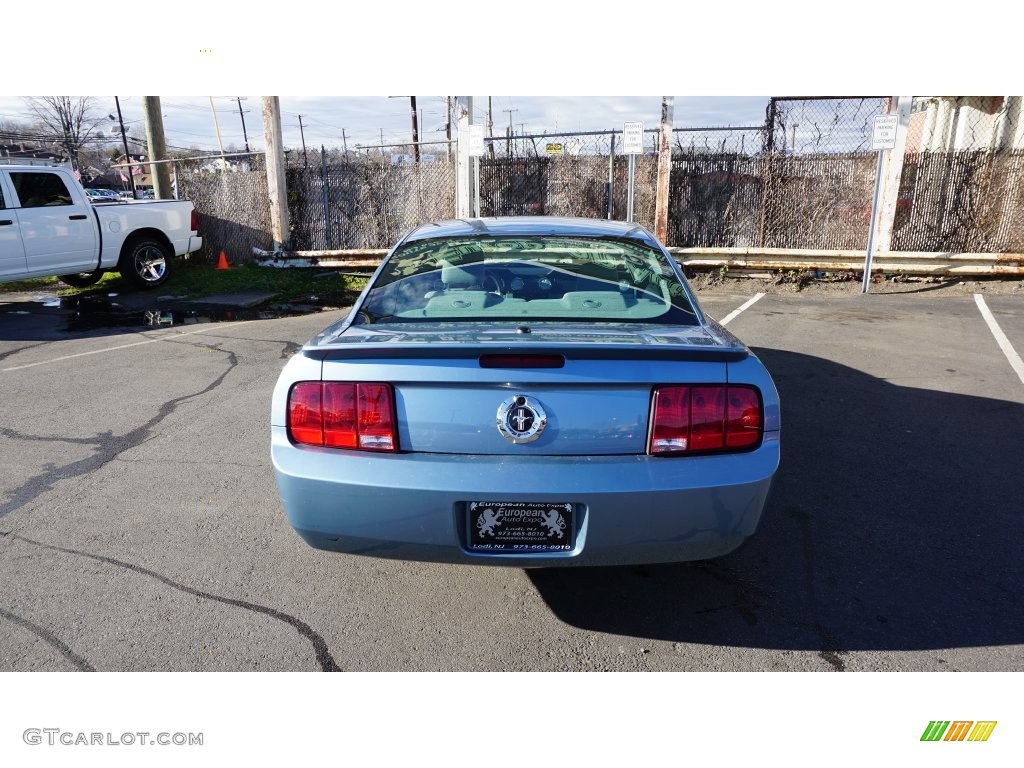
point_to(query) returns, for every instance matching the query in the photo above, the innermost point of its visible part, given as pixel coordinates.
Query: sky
(364, 120)
(337, 70)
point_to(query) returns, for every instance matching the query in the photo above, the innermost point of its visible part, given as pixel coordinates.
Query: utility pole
(302, 133)
(157, 146)
(448, 123)
(242, 115)
(124, 140)
(467, 201)
(216, 127)
(276, 183)
(415, 132)
(511, 130)
(892, 173)
(490, 125)
(344, 141)
(664, 168)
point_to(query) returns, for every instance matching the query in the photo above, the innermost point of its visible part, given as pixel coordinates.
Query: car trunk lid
(590, 387)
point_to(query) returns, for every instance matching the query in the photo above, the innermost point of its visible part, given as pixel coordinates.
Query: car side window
(40, 189)
(3, 204)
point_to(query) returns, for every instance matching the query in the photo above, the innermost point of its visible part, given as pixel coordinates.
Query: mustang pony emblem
(554, 522)
(521, 419)
(488, 521)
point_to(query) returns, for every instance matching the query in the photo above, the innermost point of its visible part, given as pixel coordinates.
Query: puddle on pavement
(93, 313)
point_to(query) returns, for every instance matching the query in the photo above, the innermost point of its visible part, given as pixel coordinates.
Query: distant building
(950, 123)
(141, 172)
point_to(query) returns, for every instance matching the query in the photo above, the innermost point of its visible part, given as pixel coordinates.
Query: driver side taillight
(355, 415)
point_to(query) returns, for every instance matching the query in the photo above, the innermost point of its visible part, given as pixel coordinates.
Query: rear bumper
(186, 245)
(630, 509)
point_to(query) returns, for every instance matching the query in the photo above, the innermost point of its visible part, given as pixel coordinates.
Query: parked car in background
(102, 195)
(527, 392)
(48, 227)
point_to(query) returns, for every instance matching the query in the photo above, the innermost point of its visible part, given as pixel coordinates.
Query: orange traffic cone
(222, 262)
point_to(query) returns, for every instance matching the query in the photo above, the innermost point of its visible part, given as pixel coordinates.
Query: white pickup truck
(49, 227)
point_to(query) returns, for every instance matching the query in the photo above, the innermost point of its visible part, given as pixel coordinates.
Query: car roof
(531, 225)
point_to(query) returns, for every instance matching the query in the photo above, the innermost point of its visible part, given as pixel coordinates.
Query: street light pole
(124, 140)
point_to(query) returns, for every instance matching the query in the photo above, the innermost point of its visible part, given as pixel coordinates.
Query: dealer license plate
(520, 526)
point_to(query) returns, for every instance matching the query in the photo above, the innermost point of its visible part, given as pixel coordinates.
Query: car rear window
(557, 278)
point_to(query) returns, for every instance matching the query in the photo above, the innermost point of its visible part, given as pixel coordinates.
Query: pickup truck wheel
(82, 279)
(146, 263)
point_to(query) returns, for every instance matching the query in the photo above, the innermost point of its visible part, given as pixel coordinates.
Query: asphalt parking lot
(140, 527)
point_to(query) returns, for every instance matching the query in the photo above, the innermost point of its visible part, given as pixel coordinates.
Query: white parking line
(114, 349)
(1004, 343)
(735, 313)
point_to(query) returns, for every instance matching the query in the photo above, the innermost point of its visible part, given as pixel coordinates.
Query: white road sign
(476, 140)
(883, 134)
(633, 138)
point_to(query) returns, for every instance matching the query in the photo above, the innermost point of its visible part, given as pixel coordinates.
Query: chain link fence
(339, 200)
(715, 188)
(803, 179)
(232, 200)
(818, 172)
(962, 187)
(807, 183)
(571, 174)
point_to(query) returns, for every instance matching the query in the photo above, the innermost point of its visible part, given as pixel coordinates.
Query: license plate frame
(520, 527)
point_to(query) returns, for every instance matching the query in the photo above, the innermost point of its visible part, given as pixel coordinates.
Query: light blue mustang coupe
(526, 392)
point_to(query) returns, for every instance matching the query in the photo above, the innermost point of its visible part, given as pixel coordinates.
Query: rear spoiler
(466, 352)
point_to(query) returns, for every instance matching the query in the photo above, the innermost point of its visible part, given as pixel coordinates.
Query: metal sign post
(632, 145)
(883, 139)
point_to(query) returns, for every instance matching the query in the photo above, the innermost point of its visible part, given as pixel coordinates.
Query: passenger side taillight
(359, 416)
(694, 419)
(194, 224)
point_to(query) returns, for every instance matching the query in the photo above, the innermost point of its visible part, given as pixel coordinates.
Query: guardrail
(888, 262)
(770, 259)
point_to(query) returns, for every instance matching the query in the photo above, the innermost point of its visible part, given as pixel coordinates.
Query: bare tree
(71, 120)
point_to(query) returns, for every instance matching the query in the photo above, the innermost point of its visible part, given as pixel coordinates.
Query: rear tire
(146, 263)
(82, 279)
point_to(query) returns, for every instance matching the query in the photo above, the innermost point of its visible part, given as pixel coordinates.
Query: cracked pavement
(140, 527)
